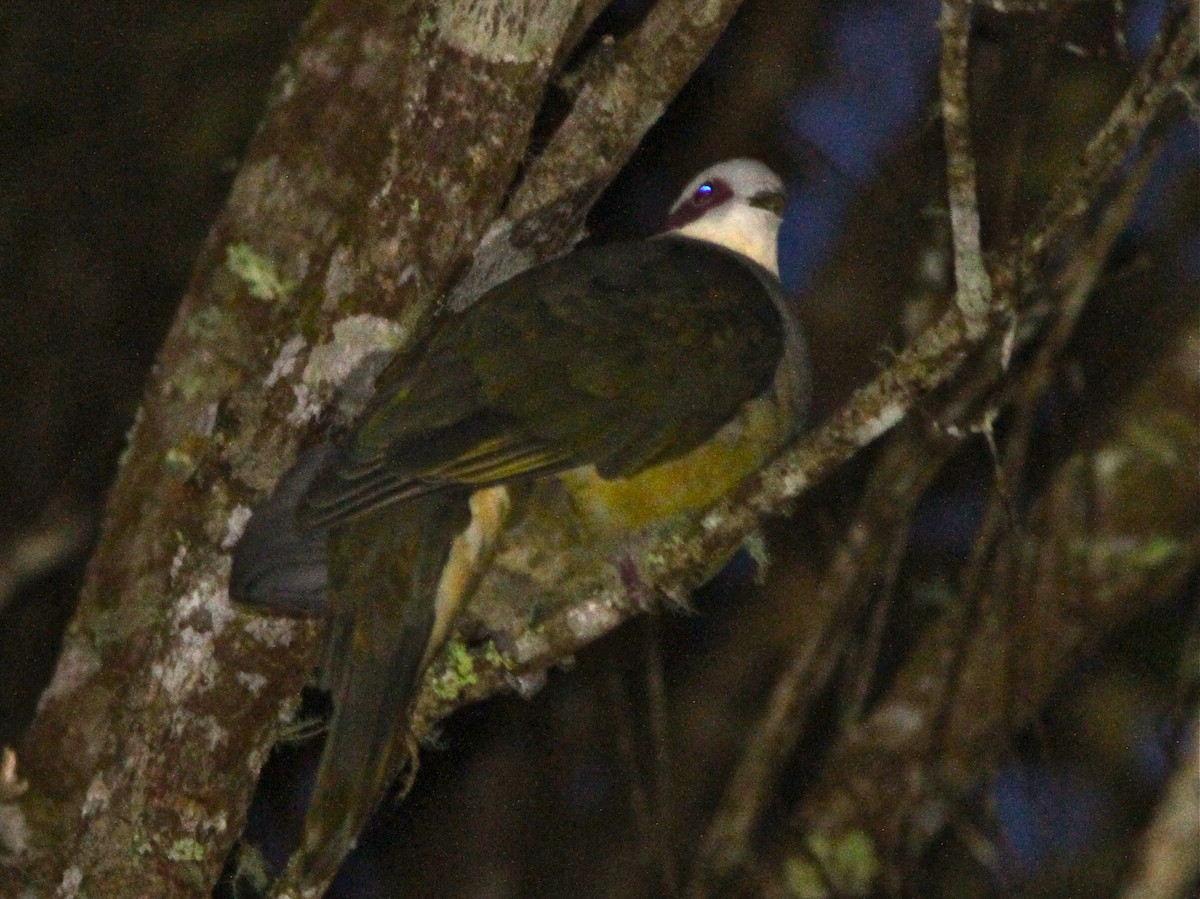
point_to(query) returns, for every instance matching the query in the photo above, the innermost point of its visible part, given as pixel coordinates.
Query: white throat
(740, 227)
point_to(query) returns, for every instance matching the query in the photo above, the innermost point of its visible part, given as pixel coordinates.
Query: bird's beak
(772, 202)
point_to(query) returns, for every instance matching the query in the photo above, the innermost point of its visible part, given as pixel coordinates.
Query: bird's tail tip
(277, 563)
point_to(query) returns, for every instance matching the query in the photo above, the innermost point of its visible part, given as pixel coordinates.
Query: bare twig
(973, 293)
(964, 710)
(898, 481)
(1156, 82)
(1168, 861)
(725, 845)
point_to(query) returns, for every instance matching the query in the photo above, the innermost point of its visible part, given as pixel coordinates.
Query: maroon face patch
(709, 195)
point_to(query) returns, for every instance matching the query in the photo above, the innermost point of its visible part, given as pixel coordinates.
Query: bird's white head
(737, 204)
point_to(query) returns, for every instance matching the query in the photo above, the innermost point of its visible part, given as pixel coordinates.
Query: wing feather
(620, 356)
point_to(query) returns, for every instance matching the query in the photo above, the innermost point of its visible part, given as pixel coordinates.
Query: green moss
(1127, 552)
(258, 273)
(186, 850)
(205, 373)
(665, 553)
(1156, 551)
(458, 674)
(842, 864)
(493, 657)
(205, 323)
(107, 628)
(179, 462)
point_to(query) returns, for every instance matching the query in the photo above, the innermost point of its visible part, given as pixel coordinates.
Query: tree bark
(391, 142)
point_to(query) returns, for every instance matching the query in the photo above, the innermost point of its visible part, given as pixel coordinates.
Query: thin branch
(678, 563)
(1168, 861)
(663, 791)
(1153, 86)
(973, 293)
(645, 71)
(947, 716)
(898, 481)
(622, 91)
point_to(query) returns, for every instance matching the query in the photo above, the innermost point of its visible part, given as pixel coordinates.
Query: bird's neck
(744, 229)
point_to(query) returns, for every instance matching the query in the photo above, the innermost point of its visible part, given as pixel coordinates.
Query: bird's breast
(682, 486)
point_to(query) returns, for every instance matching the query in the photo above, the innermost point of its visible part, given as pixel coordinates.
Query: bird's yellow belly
(684, 486)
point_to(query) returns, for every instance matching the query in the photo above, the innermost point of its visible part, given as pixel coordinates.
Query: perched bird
(650, 377)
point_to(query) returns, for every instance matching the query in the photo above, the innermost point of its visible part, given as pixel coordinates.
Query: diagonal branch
(628, 94)
(621, 94)
(384, 156)
(680, 562)
(880, 525)
(1168, 863)
(898, 783)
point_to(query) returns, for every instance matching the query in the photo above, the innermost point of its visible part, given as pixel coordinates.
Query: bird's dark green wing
(620, 356)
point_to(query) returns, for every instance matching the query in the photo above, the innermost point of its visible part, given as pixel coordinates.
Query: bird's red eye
(703, 199)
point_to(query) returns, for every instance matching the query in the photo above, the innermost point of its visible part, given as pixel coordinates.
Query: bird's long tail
(279, 564)
(384, 572)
